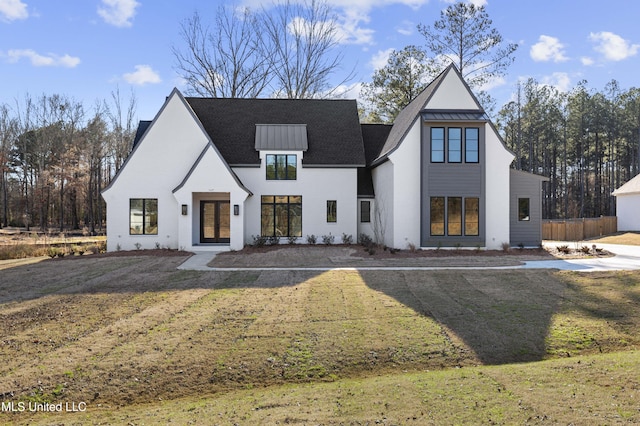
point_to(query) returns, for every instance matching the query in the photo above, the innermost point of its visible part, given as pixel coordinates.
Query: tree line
(587, 142)
(55, 157)
(56, 154)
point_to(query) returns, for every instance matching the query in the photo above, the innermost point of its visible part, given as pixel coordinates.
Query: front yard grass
(141, 342)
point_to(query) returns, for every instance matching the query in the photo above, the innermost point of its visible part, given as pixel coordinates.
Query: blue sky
(85, 49)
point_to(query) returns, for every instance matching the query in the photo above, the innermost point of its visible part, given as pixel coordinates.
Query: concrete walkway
(626, 258)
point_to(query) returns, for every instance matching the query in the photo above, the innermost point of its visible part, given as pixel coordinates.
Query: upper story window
(455, 145)
(471, 145)
(437, 145)
(282, 167)
(454, 141)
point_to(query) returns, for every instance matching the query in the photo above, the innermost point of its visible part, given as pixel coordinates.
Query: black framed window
(143, 216)
(281, 215)
(437, 216)
(282, 167)
(454, 145)
(365, 211)
(455, 141)
(523, 209)
(437, 144)
(455, 216)
(471, 216)
(472, 145)
(332, 211)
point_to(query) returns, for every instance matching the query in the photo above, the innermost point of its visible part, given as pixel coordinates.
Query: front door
(215, 217)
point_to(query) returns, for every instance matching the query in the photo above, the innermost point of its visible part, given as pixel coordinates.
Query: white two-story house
(211, 174)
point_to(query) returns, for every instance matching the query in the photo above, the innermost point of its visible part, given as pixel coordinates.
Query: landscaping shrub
(328, 239)
(311, 239)
(347, 239)
(259, 240)
(365, 240)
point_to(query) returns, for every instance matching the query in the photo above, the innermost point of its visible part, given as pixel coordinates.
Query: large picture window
(143, 216)
(455, 216)
(282, 167)
(281, 216)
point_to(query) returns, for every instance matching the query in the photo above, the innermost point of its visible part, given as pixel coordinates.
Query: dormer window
(282, 167)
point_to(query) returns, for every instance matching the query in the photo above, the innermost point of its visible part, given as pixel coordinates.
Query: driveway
(626, 258)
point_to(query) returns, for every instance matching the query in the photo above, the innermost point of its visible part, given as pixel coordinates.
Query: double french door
(215, 218)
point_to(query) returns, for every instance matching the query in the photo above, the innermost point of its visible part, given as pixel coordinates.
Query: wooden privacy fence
(578, 229)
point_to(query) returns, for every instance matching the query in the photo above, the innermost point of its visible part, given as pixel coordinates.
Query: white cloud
(559, 80)
(143, 74)
(406, 28)
(38, 60)
(612, 46)
(587, 61)
(379, 59)
(118, 12)
(10, 10)
(492, 84)
(547, 49)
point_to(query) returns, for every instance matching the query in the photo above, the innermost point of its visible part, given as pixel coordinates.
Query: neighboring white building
(628, 205)
(211, 174)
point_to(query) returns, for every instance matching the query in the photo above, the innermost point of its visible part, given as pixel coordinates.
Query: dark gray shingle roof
(333, 128)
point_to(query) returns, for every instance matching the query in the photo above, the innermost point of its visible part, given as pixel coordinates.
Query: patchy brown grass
(625, 238)
(142, 342)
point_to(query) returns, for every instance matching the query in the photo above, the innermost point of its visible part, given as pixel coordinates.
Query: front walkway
(339, 258)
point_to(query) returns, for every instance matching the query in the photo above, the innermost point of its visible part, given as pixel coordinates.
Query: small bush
(292, 239)
(365, 240)
(53, 252)
(505, 247)
(138, 246)
(564, 249)
(458, 246)
(273, 240)
(585, 249)
(158, 246)
(311, 239)
(328, 239)
(259, 240)
(411, 247)
(347, 239)
(371, 250)
(521, 246)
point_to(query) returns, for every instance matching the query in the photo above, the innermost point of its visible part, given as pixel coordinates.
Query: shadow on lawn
(503, 316)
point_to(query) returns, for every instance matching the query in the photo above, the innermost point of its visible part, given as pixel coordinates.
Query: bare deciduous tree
(226, 61)
(303, 41)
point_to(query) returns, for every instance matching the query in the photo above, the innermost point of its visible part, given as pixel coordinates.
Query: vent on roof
(281, 137)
